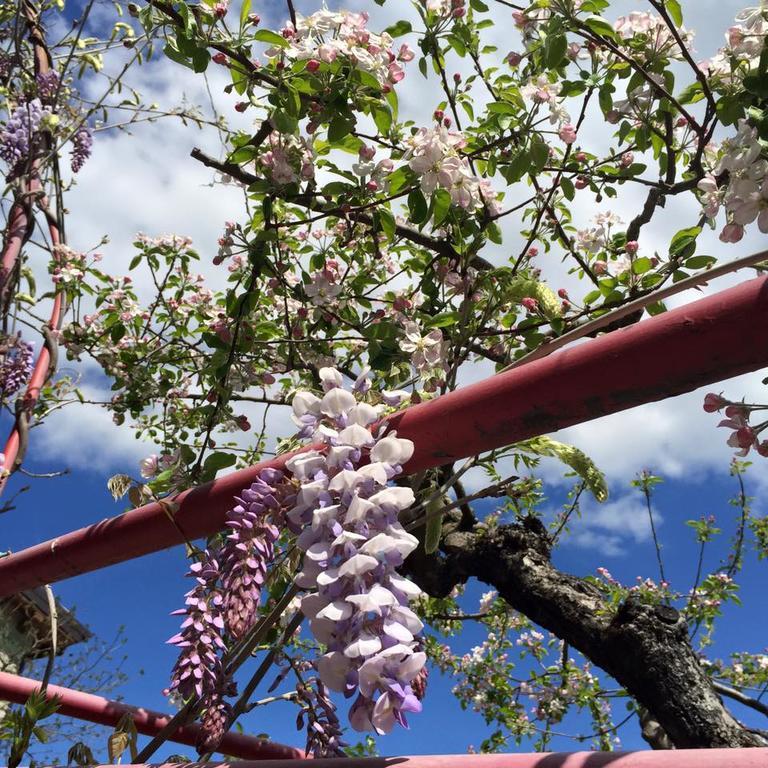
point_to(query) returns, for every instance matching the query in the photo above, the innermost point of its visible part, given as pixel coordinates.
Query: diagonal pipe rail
(95, 709)
(673, 758)
(706, 341)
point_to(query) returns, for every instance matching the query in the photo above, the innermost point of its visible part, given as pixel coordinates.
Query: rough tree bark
(645, 648)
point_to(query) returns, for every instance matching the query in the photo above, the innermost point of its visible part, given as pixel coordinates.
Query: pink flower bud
(530, 304)
(438, 115)
(581, 182)
(627, 159)
(632, 247)
(456, 78)
(599, 267)
(732, 233)
(567, 133)
(562, 293)
(405, 53)
(219, 58)
(514, 59)
(241, 106)
(713, 402)
(313, 65)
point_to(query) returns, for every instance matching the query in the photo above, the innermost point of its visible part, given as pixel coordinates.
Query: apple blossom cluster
(434, 155)
(353, 544)
(82, 144)
(287, 159)
(744, 435)
(24, 123)
(744, 195)
(16, 366)
(327, 36)
(652, 31)
(428, 352)
(540, 90)
(744, 44)
(452, 8)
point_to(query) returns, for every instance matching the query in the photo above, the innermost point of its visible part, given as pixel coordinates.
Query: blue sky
(140, 594)
(675, 438)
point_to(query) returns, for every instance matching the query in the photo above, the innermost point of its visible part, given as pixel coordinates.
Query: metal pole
(706, 341)
(95, 709)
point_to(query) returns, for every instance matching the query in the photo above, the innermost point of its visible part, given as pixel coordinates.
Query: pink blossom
(568, 133)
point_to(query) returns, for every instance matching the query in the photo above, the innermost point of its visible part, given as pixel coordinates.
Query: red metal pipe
(673, 758)
(95, 709)
(703, 342)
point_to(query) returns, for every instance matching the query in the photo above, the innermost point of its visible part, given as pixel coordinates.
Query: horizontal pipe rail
(673, 758)
(95, 709)
(706, 341)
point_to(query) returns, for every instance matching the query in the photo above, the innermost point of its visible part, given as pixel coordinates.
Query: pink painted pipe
(40, 371)
(95, 709)
(673, 758)
(706, 341)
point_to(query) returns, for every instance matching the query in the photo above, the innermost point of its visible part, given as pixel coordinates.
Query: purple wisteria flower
(47, 86)
(16, 139)
(198, 670)
(82, 143)
(323, 726)
(16, 367)
(250, 549)
(216, 718)
(353, 544)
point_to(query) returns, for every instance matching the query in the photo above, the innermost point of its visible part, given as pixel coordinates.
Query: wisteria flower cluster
(353, 544)
(224, 601)
(327, 36)
(434, 154)
(16, 140)
(16, 367)
(82, 144)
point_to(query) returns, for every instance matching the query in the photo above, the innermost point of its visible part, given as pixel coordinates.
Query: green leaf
(399, 28)
(219, 460)
(683, 241)
(383, 119)
(699, 262)
(267, 36)
(577, 460)
(245, 9)
(539, 152)
(339, 128)
(675, 11)
(555, 47)
(417, 206)
(600, 26)
(441, 204)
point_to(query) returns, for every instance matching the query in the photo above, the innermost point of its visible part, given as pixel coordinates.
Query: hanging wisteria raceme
(16, 367)
(323, 726)
(353, 544)
(47, 86)
(24, 123)
(198, 670)
(250, 548)
(82, 142)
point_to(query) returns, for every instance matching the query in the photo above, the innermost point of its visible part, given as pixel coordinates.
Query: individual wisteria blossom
(198, 670)
(353, 544)
(82, 144)
(24, 123)
(434, 154)
(744, 436)
(327, 36)
(16, 366)
(250, 549)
